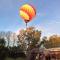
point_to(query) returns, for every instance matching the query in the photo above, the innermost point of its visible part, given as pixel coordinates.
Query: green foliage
(15, 52)
(3, 52)
(2, 41)
(12, 52)
(8, 51)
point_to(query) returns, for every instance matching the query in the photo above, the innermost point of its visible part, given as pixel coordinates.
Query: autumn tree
(29, 38)
(53, 41)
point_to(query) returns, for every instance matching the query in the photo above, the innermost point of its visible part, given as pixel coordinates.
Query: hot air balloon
(27, 12)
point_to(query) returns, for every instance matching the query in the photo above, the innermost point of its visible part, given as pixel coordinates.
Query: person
(48, 57)
(33, 53)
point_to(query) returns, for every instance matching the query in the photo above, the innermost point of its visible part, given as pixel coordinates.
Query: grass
(15, 59)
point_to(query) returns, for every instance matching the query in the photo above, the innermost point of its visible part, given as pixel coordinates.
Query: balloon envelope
(27, 12)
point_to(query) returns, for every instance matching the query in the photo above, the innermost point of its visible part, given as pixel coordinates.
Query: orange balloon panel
(27, 12)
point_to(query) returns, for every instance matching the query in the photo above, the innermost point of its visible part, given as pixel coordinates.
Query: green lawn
(15, 59)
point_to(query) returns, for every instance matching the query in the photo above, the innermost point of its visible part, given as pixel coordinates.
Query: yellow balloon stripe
(24, 15)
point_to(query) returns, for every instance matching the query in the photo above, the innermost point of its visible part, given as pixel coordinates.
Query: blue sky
(47, 18)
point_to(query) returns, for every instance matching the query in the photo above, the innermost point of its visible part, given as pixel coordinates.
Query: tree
(8, 34)
(29, 38)
(2, 41)
(43, 42)
(16, 52)
(11, 38)
(53, 41)
(3, 49)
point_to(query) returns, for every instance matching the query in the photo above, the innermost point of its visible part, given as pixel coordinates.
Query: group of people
(38, 54)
